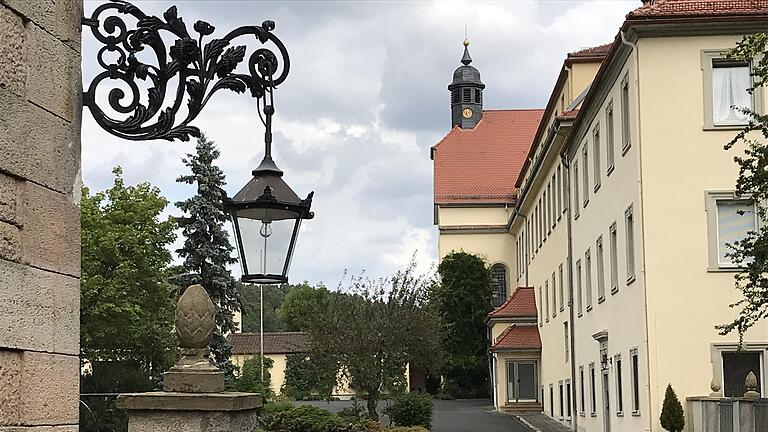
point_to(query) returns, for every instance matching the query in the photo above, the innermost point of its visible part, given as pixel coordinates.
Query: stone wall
(40, 108)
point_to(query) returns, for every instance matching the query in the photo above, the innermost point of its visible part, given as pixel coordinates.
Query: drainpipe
(571, 314)
(633, 47)
(525, 250)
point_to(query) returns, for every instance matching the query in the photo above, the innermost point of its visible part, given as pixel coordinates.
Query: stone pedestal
(193, 399)
(190, 412)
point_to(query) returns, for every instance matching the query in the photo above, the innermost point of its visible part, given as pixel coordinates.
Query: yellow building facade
(620, 214)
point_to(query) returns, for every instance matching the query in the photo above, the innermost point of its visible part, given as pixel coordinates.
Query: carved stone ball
(195, 318)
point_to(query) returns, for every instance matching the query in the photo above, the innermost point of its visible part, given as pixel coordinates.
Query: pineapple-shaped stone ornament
(195, 323)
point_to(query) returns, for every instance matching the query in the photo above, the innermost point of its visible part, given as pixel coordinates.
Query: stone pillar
(40, 108)
(193, 397)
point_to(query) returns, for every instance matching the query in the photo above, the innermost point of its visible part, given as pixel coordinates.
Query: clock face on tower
(467, 113)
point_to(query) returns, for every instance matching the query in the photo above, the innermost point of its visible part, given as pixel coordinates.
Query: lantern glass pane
(265, 245)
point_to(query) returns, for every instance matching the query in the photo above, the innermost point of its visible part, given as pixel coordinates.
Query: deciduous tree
(126, 301)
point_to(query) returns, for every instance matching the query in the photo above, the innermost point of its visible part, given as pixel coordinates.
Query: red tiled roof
(518, 337)
(699, 8)
(521, 304)
(480, 165)
(274, 343)
(600, 50)
(569, 115)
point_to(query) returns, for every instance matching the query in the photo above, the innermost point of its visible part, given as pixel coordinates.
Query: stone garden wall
(40, 109)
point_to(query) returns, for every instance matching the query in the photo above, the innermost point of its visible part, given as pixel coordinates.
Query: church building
(605, 219)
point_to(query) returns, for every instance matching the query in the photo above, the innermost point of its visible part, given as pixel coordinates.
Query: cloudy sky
(365, 99)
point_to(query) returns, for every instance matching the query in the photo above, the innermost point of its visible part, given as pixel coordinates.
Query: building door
(521, 381)
(606, 402)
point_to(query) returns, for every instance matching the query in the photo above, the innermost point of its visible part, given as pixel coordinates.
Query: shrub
(276, 407)
(411, 409)
(305, 418)
(672, 418)
(406, 429)
(250, 377)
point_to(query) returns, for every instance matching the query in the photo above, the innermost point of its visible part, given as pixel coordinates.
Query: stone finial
(715, 386)
(195, 324)
(751, 385)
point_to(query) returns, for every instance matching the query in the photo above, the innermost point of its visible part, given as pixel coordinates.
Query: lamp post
(266, 213)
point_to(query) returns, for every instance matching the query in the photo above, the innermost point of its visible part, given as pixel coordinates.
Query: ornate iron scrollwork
(202, 70)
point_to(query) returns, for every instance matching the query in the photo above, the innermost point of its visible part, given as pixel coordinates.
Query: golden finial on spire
(466, 42)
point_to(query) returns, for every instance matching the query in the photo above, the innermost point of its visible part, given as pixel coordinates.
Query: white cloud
(365, 100)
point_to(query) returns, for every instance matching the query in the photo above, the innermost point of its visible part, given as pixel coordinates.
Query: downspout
(571, 317)
(633, 47)
(525, 249)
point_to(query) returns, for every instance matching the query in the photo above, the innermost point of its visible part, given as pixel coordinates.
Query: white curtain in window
(732, 226)
(729, 89)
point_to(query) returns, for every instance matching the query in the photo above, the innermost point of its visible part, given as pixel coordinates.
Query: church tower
(466, 93)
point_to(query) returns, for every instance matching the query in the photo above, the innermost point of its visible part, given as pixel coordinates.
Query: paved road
(471, 415)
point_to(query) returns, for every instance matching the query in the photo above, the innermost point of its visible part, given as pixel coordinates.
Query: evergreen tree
(207, 251)
(672, 418)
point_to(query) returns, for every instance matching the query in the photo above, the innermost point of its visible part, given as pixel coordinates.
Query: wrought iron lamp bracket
(200, 70)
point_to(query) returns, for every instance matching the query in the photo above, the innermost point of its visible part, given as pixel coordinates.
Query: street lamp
(266, 213)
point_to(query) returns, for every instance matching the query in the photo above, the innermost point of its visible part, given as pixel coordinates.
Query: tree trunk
(373, 400)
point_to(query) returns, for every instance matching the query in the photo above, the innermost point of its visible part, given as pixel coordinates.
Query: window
(541, 307)
(635, 369)
(551, 401)
(629, 222)
(545, 215)
(725, 90)
(560, 192)
(736, 366)
(575, 183)
(625, 129)
(561, 399)
(614, 259)
(478, 96)
(600, 270)
(582, 406)
(553, 197)
(546, 298)
(729, 219)
(467, 95)
(585, 172)
(566, 338)
(619, 387)
(592, 397)
(567, 399)
(596, 155)
(609, 137)
(579, 301)
(554, 299)
(588, 278)
(499, 283)
(565, 192)
(562, 289)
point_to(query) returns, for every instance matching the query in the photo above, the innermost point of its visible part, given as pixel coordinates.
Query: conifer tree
(207, 251)
(672, 418)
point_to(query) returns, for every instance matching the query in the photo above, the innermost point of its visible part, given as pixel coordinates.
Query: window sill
(600, 300)
(562, 308)
(610, 170)
(596, 188)
(630, 279)
(724, 127)
(619, 414)
(635, 413)
(614, 290)
(575, 215)
(583, 414)
(589, 308)
(724, 269)
(626, 148)
(594, 414)
(586, 201)
(580, 314)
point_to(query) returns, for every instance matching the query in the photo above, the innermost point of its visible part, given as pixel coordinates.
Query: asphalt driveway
(468, 415)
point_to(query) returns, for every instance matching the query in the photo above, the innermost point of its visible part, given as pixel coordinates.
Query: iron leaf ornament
(201, 68)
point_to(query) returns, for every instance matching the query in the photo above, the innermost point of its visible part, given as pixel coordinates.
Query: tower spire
(466, 59)
(466, 93)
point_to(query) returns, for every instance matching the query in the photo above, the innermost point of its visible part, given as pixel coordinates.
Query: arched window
(499, 284)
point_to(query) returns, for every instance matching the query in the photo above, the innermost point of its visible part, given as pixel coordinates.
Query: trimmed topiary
(672, 418)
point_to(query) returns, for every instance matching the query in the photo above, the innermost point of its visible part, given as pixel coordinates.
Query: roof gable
(518, 337)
